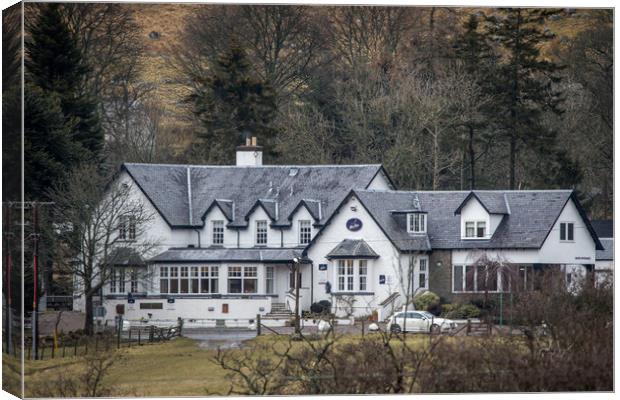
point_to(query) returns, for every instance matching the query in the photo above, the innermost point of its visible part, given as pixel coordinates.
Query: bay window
(352, 275)
(478, 279)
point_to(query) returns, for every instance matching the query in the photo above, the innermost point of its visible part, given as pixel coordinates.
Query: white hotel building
(228, 237)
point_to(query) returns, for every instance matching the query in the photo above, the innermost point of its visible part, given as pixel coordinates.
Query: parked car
(419, 321)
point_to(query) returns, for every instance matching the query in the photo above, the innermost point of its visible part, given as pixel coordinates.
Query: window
(475, 229)
(174, 279)
(269, 279)
(469, 229)
(416, 223)
(194, 281)
(305, 231)
(476, 278)
(567, 230)
(242, 280)
(163, 279)
(133, 279)
(345, 275)
(261, 232)
(291, 279)
(127, 227)
(209, 277)
(218, 232)
(423, 272)
(184, 281)
(191, 280)
(362, 274)
(113, 280)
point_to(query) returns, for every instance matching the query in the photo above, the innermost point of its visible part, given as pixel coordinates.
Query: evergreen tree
(476, 56)
(523, 85)
(56, 71)
(232, 104)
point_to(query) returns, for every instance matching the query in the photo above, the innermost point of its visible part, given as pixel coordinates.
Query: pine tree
(232, 104)
(55, 65)
(475, 54)
(524, 82)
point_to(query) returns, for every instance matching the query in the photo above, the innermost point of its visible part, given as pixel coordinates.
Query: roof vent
(293, 171)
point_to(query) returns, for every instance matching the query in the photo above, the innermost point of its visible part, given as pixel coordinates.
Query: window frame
(419, 219)
(173, 275)
(260, 235)
(564, 231)
(476, 226)
(127, 228)
(217, 232)
(245, 275)
(348, 275)
(305, 231)
(474, 278)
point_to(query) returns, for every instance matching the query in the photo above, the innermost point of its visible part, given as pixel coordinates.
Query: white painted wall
(387, 264)
(380, 182)
(474, 211)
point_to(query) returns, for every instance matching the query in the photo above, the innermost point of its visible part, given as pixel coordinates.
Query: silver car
(419, 321)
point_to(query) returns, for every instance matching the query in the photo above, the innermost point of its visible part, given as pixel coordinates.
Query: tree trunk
(472, 160)
(513, 160)
(88, 319)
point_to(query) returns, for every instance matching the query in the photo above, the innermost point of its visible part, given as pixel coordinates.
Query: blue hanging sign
(322, 267)
(381, 279)
(354, 224)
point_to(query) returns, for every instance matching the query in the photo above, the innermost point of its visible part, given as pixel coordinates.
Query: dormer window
(416, 223)
(475, 229)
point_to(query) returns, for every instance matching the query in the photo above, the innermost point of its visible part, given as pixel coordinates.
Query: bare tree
(92, 210)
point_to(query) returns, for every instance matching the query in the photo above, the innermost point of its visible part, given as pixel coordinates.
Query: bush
(321, 307)
(425, 300)
(460, 311)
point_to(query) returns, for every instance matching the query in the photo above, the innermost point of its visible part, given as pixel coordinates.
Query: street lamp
(297, 262)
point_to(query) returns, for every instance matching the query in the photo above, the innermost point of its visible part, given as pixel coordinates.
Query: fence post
(363, 323)
(151, 333)
(468, 326)
(139, 334)
(258, 327)
(180, 320)
(130, 337)
(118, 332)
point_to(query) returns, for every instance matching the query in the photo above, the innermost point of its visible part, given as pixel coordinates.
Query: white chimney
(249, 154)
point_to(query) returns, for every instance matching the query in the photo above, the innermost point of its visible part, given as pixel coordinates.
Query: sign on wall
(354, 224)
(322, 278)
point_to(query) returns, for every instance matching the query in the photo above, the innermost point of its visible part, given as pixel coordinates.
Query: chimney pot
(253, 140)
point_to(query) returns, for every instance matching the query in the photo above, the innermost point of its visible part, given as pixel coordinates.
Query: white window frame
(565, 224)
(208, 274)
(262, 234)
(243, 273)
(463, 285)
(270, 279)
(217, 232)
(350, 273)
(416, 220)
(476, 226)
(423, 260)
(305, 231)
(133, 280)
(362, 278)
(127, 228)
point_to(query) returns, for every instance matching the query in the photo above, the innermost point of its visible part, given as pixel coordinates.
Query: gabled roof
(313, 207)
(607, 254)
(125, 257)
(350, 248)
(178, 191)
(532, 215)
(494, 202)
(270, 207)
(227, 207)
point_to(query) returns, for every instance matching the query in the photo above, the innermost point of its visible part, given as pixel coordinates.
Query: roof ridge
(499, 191)
(254, 166)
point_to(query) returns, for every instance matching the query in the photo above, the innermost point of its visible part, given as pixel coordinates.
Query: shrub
(321, 307)
(460, 311)
(424, 301)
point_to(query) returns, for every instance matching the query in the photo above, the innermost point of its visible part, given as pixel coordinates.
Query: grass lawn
(176, 368)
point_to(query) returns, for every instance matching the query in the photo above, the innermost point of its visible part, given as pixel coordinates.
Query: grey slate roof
(352, 248)
(608, 253)
(495, 202)
(532, 214)
(218, 254)
(125, 257)
(168, 187)
(604, 227)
